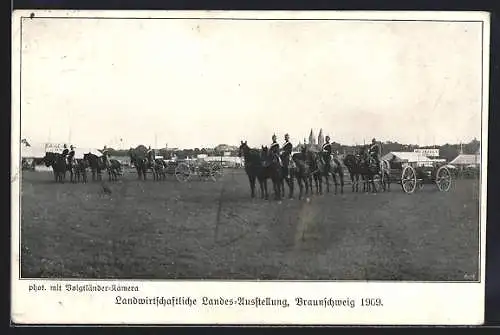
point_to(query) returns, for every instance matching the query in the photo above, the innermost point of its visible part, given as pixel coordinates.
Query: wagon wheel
(182, 172)
(409, 179)
(443, 179)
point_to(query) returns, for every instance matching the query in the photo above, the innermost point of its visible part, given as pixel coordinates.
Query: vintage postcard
(224, 167)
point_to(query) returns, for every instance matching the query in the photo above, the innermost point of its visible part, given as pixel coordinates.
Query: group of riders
(70, 159)
(374, 150)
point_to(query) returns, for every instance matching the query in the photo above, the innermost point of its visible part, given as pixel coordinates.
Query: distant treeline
(447, 151)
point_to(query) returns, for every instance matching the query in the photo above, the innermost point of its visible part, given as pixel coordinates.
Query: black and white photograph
(250, 148)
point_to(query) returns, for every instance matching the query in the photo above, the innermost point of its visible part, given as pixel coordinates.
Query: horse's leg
(319, 183)
(299, 182)
(327, 180)
(290, 187)
(251, 180)
(341, 178)
(334, 178)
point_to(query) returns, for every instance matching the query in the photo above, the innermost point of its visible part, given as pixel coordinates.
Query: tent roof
(37, 150)
(405, 156)
(464, 159)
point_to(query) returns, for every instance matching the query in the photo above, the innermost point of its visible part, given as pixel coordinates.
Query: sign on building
(428, 152)
(54, 147)
(227, 153)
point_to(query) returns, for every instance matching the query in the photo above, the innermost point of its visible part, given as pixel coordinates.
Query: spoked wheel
(443, 179)
(182, 172)
(409, 179)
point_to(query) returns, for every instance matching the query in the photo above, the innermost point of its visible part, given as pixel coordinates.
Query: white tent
(466, 160)
(408, 157)
(79, 152)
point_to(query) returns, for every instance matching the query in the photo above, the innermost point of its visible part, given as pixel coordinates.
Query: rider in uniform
(151, 156)
(65, 153)
(326, 150)
(374, 151)
(71, 154)
(286, 152)
(105, 155)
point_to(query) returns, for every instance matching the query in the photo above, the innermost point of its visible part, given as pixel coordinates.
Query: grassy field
(213, 230)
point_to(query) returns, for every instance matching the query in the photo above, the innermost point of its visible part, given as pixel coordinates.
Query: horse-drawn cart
(185, 169)
(412, 176)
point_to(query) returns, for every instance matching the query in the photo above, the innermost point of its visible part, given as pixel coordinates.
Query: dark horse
(113, 167)
(158, 168)
(253, 167)
(96, 165)
(58, 164)
(140, 163)
(330, 165)
(303, 171)
(80, 170)
(272, 169)
(260, 166)
(371, 169)
(353, 164)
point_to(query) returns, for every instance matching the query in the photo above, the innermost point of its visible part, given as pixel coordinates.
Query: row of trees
(447, 151)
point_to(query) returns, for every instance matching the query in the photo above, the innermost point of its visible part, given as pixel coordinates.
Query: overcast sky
(199, 83)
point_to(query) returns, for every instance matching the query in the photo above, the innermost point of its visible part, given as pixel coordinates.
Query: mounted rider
(65, 153)
(105, 155)
(71, 156)
(326, 151)
(274, 149)
(151, 155)
(286, 152)
(374, 151)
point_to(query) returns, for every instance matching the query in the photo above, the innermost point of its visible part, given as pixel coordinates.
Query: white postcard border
(403, 302)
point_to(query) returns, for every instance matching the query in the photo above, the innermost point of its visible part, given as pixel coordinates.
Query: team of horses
(309, 167)
(306, 167)
(77, 167)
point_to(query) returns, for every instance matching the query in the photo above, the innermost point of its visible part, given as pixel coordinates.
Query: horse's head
(88, 157)
(244, 149)
(264, 150)
(49, 159)
(350, 160)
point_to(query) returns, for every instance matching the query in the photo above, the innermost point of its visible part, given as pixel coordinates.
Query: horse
(114, 168)
(253, 168)
(324, 166)
(303, 171)
(370, 169)
(96, 164)
(140, 163)
(272, 169)
(58, 164)
(79, 168)
(70, 166)
(159, 169)
(353, 165)
(313, 160)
